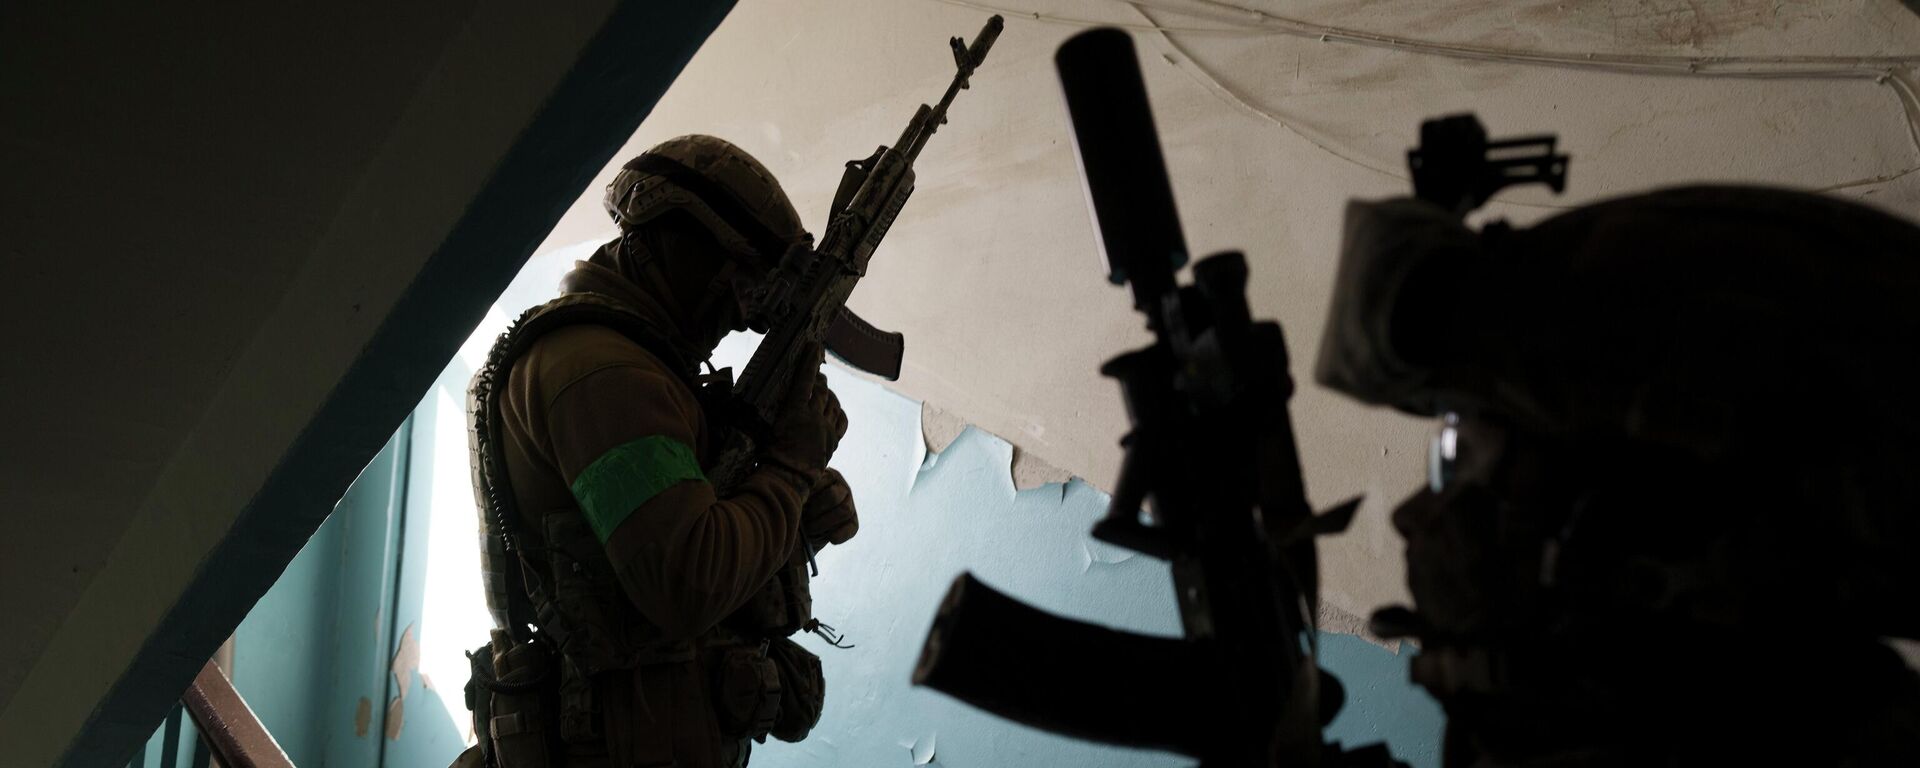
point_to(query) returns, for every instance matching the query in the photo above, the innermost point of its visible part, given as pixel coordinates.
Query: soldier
(660, 605)
(1671, 513)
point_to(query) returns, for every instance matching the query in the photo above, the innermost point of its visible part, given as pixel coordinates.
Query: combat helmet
(719, 184)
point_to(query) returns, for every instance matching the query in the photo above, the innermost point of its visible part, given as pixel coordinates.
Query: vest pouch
(797, 586)
(803, 689)
(580, 709)
(479, 696)
(585, 610)
(746, 691)
(781, 607)
(524, 704)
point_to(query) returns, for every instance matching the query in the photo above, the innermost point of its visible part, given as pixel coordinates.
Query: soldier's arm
(623, 440)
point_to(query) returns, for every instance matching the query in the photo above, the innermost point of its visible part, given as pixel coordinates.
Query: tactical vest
(561, 582)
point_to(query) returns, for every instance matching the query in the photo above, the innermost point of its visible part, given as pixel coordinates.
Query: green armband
(629, 475)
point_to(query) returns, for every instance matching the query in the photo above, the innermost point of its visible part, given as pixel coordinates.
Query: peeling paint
(991, 273)
(927, 515)
(939, 428)
(307, 662)
(1030, 471)
(919, 748)
(406, 660)
(1333, 620)
(396, 717)
(1095, 552)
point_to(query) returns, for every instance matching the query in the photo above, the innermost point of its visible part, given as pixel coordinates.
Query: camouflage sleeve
(622, 438)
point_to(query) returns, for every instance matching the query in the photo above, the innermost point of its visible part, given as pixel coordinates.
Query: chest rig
(554, 585)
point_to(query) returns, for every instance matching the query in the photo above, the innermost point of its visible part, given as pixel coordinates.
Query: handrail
(228, 725)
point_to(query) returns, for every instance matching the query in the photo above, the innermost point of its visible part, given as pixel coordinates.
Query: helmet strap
(719, 292)
(630, 243)
(643, 260)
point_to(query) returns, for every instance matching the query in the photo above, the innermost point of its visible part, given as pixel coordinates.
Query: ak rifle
(1211, 458)
(804, 300)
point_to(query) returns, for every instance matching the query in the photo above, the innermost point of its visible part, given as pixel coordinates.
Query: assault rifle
(1212, 456)
(805, 298)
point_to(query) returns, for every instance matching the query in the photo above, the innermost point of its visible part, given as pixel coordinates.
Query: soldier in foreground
(663, 597)
(1671, 512)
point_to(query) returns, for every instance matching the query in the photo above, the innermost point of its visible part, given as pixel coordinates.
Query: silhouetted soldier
(1671, 514)
(662, 604)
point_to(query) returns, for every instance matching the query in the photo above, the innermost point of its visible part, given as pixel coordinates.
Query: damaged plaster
(938, 428)
(920, 750)
(928, 515)
(396, 717)
(1333, 620)
(991, 271)
(406, 661)
(1031, 471)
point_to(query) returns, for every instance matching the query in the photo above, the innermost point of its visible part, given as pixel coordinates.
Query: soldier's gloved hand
(829, 517)
(810, 423)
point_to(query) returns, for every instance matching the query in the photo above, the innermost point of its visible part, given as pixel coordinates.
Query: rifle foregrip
(1066, 676)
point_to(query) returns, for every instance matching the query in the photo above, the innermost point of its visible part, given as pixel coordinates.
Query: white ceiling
(991, 272)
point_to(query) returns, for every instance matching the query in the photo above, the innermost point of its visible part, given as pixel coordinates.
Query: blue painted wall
(315, 657)
(1382, 705)
(926, 518)
(439, 562)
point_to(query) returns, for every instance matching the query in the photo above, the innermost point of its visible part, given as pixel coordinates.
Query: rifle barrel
(928, 119)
